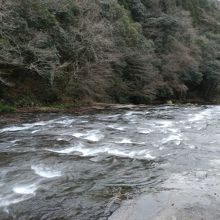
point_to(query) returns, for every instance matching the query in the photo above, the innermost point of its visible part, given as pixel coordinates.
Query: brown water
(75, 167)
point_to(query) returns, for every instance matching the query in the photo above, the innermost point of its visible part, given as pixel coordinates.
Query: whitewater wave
(176, 138)
(27, 126)
(144, 131)
(206, 114)
(94, 137)
(25, 189)
(91, 152)
(45, 171)
(124, 141)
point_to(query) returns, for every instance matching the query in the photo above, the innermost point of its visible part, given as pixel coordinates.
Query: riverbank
(10, 114)
(17, 115)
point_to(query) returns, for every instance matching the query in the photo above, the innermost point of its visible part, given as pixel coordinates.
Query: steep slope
(123, 51)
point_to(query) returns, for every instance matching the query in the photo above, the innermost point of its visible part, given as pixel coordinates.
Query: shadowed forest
(108, 51)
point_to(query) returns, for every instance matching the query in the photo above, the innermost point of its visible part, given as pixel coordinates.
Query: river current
(83, 167)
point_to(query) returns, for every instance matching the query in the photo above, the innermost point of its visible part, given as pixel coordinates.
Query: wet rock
(169, 102)
(113, 205)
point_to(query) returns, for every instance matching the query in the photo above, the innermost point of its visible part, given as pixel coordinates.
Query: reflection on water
(72, 167)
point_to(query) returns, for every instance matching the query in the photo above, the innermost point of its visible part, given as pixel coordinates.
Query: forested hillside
(111, 51)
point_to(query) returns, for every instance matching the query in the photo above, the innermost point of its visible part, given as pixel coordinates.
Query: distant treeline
(124, 51)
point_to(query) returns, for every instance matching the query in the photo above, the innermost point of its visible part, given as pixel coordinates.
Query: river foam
(205, 114)
(176, 138)
(45, 171)
(92, 152)
(124, 141)
(25, 189)
(93, 136)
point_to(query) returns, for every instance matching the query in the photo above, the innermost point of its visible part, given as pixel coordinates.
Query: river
(159, 162)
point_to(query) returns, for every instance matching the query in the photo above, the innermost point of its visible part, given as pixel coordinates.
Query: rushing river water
(80, 167)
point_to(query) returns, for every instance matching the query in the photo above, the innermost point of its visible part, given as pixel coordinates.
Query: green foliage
(192, 74)
(129, 31)
(124, 3)
(213, 71)
(66, 12)
(4, 108)
(210, 65)
(37, 15)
